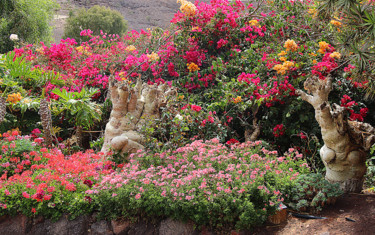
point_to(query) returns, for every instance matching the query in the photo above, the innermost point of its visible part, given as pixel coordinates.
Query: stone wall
(87, 225)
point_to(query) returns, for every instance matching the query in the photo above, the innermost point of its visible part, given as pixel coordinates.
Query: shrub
(98, 19)
(41, 181)
(313, 192)
(208, 183)
(26, 18)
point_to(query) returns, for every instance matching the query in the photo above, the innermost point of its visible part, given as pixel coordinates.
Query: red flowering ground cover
(40, 180)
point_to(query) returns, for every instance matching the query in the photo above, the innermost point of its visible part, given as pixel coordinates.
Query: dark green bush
(97, 18)
(312, 192)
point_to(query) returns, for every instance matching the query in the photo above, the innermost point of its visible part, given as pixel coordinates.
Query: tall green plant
(28, 19)
(79, 107)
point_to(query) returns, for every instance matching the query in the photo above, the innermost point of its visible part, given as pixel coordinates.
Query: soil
(357, 207)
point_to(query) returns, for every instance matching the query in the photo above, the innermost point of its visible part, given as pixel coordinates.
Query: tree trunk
(346, 143)
(3, 109)
(45, 116)
(79, 135)
(252, 134)
(132, 108)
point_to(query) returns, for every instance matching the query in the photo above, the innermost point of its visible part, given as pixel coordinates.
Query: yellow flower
(254, 23)
(282, 58)
(291, 45)
(312, 54)
(335, 55)
(14, 98)
(314, 61)
(313, 12)
(181, 97)
(192, 67)
(188, 8)
(282, 53)
(288, 64)
(130, 48)
(153, 56)
(336, 23)
(83, 50)
(238, 99)
(40, 50)
(196, 28)
(122, 76)
(80, 49)
(282, 68)
(323, 46)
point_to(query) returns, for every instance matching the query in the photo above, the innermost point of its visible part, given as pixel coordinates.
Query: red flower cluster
(279, 130)
(350, 104)
(232, 141)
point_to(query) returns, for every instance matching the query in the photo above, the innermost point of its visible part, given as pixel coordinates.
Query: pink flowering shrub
(205, 182)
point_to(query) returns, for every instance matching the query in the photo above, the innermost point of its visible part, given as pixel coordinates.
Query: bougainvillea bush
(242, 62)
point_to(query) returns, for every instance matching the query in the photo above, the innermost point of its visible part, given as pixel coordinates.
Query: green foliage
(370, 176)
(78, 106)
(19, 74)
(313, 192)
(28, 19)
(177, 128)
(97, 19)
(356, 35)
(16, 149)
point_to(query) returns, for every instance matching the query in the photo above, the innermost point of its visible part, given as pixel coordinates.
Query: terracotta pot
(279, 217)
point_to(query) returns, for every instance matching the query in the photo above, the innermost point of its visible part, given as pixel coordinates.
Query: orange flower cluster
(323, 47)
(313, 12)
(83, 50)
(238, 99)
(336, 23)
(188, 8)
(130, 48)
(291, 45)
(335, 55)
(282, 68)
(254, 23)
(192, 67)
(153, 56)
(282, 53)
(14, 98)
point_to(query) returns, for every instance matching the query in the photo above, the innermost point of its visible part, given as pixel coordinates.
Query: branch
(304, 96)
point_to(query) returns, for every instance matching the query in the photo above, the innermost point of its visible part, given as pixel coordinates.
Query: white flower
(179, 117)
(14, 37)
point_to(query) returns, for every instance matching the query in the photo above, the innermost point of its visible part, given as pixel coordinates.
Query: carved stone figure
(346, 143)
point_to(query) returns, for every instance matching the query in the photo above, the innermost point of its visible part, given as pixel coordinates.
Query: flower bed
(208, 183)
(204, 182)
(37, 180)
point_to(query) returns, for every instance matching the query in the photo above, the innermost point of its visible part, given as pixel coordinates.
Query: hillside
(140, 14)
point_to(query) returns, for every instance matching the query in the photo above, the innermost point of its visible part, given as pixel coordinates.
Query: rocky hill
(140, 14)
